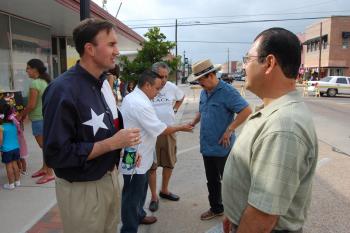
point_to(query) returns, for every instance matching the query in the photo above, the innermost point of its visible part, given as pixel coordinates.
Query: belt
(235, 227)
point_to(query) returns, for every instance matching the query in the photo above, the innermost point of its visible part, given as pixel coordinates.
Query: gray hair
(160, 64)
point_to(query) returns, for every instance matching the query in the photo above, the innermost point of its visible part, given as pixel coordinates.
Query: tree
(154, 49)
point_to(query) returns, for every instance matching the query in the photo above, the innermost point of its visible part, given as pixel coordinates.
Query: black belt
(235, 227)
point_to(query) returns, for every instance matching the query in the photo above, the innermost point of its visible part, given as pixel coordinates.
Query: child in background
(23, 150)
(9, 146)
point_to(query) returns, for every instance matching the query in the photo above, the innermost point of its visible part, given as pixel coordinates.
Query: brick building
(334, 58)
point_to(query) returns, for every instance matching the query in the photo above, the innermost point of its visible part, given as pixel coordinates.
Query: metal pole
(228, 61)
(84, 9)
(319, 57)
(184, 68)
(176, 73)
(118, 9)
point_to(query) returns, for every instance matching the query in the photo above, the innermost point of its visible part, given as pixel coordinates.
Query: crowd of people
(260, 181)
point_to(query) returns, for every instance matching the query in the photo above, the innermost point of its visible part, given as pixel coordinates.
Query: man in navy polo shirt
(219, 103)
(83, 133)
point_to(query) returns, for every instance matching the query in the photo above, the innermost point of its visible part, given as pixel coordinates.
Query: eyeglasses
(247, 59)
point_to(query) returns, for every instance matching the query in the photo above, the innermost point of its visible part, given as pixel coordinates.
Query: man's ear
(270, 63)
(89, 49)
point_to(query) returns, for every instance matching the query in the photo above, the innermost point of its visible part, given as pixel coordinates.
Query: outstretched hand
(187, 127)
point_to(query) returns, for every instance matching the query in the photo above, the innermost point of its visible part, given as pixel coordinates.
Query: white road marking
(187, 150)
(322, 162)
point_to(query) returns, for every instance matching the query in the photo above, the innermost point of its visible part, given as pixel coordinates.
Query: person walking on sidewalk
(138, 112)
(219, 103)
(166, 104)
(268, 174)
(83, 132)
(36, 70)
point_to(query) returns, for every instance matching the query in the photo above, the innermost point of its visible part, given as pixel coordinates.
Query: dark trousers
(214, 169)
(133, 199)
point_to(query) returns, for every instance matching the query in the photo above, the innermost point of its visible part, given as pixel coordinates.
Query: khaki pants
(92, 206)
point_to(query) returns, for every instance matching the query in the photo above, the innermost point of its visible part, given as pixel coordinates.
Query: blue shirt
(76, 116)
(10, 139)
(217, 109)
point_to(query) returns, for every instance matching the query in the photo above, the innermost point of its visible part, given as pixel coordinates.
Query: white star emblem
(96, 122)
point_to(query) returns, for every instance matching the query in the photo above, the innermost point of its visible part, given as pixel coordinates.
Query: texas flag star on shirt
(96, 121)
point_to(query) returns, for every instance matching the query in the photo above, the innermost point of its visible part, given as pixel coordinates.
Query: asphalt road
(330, 207)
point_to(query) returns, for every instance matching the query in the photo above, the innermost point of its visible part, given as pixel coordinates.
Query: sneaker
(209, 215)
(25, 173)
(9, 186)
(17, 183)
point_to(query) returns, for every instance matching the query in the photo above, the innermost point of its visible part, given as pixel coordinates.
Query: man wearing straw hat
(221, 111)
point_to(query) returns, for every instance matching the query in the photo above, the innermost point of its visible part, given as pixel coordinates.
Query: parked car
(240, 78)
(331, 85)
(227, 77)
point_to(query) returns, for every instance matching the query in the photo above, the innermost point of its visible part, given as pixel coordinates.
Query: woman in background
(36, 70)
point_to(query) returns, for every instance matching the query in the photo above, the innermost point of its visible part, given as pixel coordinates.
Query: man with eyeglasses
(268, 174)
(166, 104)
(221, 111)
(138, 111)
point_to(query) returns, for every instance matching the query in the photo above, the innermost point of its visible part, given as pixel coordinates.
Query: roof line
(101, 13)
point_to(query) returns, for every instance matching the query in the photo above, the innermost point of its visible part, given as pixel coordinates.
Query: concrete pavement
(22, 208)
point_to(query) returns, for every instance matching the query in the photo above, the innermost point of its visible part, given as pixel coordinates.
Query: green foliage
(154, 49)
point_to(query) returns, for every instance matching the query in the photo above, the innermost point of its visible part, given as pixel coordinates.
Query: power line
(234, 16)
(213, 42)
(233, 22)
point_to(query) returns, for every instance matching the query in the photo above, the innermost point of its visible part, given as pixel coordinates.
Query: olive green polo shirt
(272, 164)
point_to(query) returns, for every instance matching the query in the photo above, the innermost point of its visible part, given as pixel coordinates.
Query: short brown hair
(87, 30)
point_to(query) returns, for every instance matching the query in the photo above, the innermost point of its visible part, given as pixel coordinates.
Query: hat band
(204, 71)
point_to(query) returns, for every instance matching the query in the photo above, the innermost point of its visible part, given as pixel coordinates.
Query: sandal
(38, 174)
(45, 179)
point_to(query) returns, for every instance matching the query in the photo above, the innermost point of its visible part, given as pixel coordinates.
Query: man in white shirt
(138, 111)
(166, 104)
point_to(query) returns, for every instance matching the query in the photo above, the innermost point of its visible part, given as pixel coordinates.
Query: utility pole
(228, 61)
(176, 73)
(320, 50)
(184, 67)
(84, 9)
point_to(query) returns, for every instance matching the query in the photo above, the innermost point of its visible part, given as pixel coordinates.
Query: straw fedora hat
(202, 68)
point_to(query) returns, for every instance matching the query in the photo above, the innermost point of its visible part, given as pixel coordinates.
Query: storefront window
(5, 69)
(336, 72)
(29, 41)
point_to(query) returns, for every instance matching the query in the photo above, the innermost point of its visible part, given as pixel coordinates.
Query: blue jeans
(133, 199)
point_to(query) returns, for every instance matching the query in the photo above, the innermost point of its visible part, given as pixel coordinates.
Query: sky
(148, 13)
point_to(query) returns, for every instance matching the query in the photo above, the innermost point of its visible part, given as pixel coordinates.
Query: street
(330, 207)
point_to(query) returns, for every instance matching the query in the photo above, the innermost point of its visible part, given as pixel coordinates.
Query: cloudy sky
(146, 13)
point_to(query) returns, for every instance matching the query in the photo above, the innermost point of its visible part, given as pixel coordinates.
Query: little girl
(9, 146)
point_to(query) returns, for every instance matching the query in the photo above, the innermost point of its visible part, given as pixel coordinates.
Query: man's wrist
(230, 130)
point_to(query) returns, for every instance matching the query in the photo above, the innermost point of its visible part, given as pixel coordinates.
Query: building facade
(331, 56)
(43, 29)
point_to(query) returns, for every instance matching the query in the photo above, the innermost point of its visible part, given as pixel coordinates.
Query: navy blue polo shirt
(218, 109)
(76, 115)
